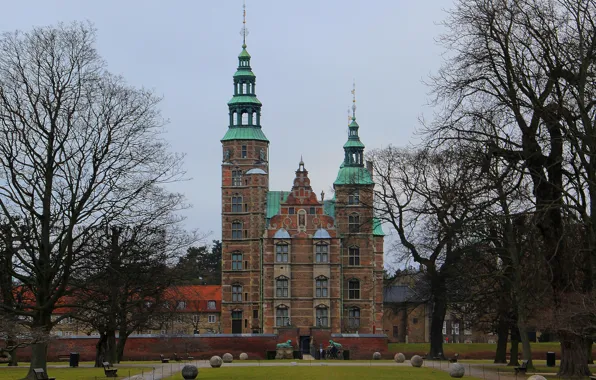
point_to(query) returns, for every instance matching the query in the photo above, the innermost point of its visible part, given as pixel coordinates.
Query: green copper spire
(352, 170)
(245, 108)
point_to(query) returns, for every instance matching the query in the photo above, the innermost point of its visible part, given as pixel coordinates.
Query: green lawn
(12, 373)
(471, 350)
(317, 373)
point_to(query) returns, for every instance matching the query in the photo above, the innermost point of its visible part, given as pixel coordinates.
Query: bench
(40, 374)
(188, 357)
(109, 370)
(522, 368)
(163, 359)
(63, 358)
(454, 358)
(176, 357)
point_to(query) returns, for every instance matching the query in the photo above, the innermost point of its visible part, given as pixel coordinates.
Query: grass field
(12, 373)
(318, 373)
(472, 350)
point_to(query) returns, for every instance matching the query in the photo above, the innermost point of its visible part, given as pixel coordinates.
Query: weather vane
(354, 100)
(244, 30)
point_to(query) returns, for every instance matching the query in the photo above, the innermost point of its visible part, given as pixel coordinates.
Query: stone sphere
(377, 356)
(228, 358)
(536, 377)
(190, 372)
(243, 356)
(215, 361)
(399, 358)
(457, 370)
(416, 361)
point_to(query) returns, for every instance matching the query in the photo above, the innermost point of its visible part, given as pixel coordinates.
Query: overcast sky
(305, 55)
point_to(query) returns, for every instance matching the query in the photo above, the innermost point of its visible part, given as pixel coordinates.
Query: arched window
(281, 253)
(282, 316)
(353, 255)
(322, 253)
(322, 316)
(302, 219)
(236, 230)
(237, 260)
(237, 203)
(281, 287)
(236, 293)
(244, 118)
(354, 318)
(321, 287)
(353, 289)
(254, 119)
(354, 223)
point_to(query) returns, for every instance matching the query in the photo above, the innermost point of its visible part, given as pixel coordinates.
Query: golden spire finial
(244, 30)
(354, 100)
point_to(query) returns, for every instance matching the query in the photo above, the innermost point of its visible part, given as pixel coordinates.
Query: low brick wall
(149, 347)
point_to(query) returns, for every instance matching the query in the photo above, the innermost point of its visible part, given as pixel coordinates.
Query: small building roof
(321, 233)
(244, 133)
(256, 171)
(400, 294)
(377, 227)
(274, 199)
(353, 175)
(282, 234)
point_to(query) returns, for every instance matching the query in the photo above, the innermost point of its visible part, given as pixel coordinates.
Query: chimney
(369, 167)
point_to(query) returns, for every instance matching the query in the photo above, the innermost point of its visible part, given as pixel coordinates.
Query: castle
(292, 259)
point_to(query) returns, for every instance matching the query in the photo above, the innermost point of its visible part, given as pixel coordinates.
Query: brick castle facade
(292, 259)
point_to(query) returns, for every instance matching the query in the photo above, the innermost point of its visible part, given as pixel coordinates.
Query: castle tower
(361, 238)
(245, 183)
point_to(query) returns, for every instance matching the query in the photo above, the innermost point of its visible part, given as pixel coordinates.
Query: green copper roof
(244, 133)
(244, 99)
(243, 53)
(353, 124)
(377, 228)
(244, 73)
(353, 175)
(353, 144)
(274, 199)
(329, 207)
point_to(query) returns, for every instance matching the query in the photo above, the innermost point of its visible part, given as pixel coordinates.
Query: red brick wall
(203, 347)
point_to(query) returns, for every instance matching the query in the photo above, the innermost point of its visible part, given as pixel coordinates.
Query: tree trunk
(502, 335)
(513, 360)
(39, 354)
(111, 351)
(437, 318)
(574, 361)
(13, 354)
(526, 349)
(589, 343)
(120, 346)
(100, 349)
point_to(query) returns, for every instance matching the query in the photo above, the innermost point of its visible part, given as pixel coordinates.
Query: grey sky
(305, 55)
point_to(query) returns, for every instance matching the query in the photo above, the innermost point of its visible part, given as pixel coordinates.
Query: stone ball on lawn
(215, 361)
(399, 358)
(416, 361)
(377, 356)
(189, 372)
(457, 370)
(244, 356)
(536, 377)
(228, 358)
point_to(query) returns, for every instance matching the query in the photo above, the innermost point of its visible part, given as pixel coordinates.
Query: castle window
(211, 318)
(353, 289)
(354, 223)
(237, 203)
(354, 198)
(236, 260)
(244, 152)
(291, 211)
(236, 177)
(353, 256)
(321, 287)
(322, 253)
(282, 316)
(281, 253)
(244, 118)
(237, 293)
(354, 318)
(322, 317)
(312, 211)
(237, 230)
(281, 287)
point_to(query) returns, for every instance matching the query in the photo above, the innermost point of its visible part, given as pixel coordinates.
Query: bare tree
(526, 67)
(430, 199)
(78, 149)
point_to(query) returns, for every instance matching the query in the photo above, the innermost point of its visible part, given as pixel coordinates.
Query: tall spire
(245, 108)
(354, 100)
